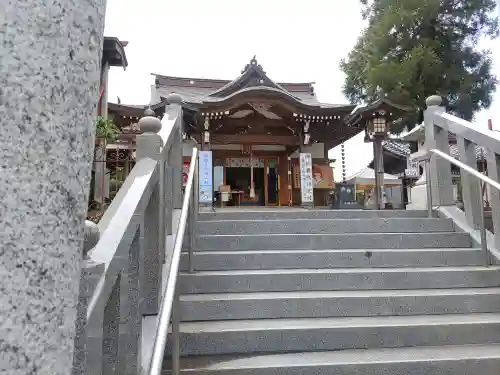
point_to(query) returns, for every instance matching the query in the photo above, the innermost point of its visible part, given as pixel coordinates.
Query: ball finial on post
(433, 101)
(149, 112)
(149, 123)
(174, 98)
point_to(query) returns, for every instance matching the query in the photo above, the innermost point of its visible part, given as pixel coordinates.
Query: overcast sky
(294, 40)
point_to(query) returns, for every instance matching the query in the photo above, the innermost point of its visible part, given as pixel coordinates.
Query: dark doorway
(272, 184)
(258, 181)
(239, 179)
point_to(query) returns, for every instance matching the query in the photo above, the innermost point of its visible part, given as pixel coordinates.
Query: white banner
(206, 177)
(412, 169)
(306, 182)
(244, 162)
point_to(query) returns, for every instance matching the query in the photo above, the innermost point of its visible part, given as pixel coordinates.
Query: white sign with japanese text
(306, 181)
(412, 169)
(206, 177)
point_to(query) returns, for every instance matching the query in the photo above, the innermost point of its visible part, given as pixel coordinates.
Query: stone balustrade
(438, 125)
(123, 273)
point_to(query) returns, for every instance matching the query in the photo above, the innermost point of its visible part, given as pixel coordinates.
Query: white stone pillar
(442, 191)
(418, 193)
(50, 68)
(175, 156)
(149, 145)
(437, 138)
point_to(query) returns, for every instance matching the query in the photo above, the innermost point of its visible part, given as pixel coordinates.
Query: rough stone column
(49, 76)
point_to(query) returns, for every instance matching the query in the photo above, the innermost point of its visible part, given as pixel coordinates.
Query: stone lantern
(376, 119)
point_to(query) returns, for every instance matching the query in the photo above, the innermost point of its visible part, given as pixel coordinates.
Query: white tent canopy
(367, 177)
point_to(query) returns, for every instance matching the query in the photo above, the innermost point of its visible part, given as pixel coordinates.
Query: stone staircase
(337, 292)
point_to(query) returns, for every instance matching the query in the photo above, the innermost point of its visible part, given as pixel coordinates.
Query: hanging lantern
(252, 187)
(342, 152)
(377, 126)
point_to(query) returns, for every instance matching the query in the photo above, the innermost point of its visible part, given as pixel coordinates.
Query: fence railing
(481, 180)
(170, 306)
(112, 164)
(438, 125)
(123, 278)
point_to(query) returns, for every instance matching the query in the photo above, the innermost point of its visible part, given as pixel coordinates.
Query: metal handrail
(459, 164)
(171, 293)
(481, 179)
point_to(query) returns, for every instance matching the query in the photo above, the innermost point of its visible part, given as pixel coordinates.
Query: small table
(238, 193)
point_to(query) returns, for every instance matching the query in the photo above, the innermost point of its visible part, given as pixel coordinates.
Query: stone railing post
(152, 238)
(175, 159)
(89, 279)
(493, 161)
(471, 195)
(91, 237)
(437, 138)
(50, 64)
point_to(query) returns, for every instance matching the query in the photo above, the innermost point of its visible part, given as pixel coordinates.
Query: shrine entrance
(239, 180)
(272, 179)
(257, 130)
(239, 174)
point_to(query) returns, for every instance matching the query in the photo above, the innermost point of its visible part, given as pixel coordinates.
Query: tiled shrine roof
(252, 78)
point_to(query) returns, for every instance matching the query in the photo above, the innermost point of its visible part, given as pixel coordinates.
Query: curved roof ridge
(252, 67)
(252, 88)
(226, 81)
(211, 99)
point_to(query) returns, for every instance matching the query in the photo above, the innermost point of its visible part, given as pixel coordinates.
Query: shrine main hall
(256, 130)
(265, 143)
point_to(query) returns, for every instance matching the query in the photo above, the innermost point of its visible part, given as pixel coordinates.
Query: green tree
(106, 129)
(412, 49)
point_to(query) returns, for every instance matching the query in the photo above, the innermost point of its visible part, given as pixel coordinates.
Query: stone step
(332, 226)
(286, 213)
(338, 279)
(315, 334)
(439, 360)
(292, 259)
(321, 304)
(332, 241)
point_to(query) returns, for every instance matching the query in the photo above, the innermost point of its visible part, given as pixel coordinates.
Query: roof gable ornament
(253, 64)
(251, 76)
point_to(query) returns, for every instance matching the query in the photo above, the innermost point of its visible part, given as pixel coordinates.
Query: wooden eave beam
(255, 139)
(289, 102)
(243, 122)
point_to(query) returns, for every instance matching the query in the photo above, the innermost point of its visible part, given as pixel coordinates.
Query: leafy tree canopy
(412, 49)
(106, 129)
